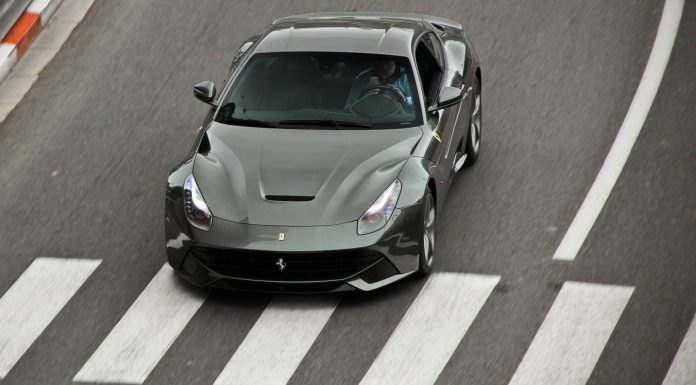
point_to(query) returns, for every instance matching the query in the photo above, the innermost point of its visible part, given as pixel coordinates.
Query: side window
(429, 70)
(436, 48)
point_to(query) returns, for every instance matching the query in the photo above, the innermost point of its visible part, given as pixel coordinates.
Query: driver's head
(385, 68)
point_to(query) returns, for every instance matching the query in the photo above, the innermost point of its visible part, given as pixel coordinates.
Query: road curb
(23, 32)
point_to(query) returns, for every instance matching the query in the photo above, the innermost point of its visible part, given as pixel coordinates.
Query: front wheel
(473, 141)
(427, 249)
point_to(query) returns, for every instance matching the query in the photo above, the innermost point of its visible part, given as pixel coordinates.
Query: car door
(440, 122)
(453, 76)
(458, 73)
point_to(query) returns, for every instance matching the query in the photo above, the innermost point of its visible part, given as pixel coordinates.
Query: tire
(427, 244)
(473, 139)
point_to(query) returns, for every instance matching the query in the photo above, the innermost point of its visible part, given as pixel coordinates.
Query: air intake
(289, 198)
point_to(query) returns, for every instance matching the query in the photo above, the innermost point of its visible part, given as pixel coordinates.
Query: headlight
(379, 213)
(197, 211)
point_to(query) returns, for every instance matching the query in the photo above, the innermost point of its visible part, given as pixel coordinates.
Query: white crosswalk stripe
(145, 333)
(431, 330)
(34, 300)
(573, 335)
(564, 351)
(683, 368)
(278, 341)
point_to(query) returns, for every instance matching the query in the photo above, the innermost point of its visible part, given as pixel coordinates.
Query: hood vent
(289, 198)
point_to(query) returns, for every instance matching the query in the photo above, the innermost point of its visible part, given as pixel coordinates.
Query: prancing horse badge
(281, 236)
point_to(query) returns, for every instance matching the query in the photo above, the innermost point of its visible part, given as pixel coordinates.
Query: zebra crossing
(564, 351)
(269, 338)
(34, 300)
(683, 369)
(145, 333)
(573, 335)
(426, 337)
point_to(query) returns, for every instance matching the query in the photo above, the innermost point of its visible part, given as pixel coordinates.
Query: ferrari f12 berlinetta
(325, 160)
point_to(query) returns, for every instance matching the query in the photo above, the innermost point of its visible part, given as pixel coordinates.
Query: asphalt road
(113, 112)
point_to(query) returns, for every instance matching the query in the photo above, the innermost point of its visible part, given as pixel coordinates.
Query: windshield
(323, 90)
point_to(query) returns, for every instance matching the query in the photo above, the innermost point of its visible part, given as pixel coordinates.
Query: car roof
(359, 32)
(418, 18)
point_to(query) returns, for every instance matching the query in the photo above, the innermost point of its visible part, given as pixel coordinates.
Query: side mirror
(205, 92)
(449, 96)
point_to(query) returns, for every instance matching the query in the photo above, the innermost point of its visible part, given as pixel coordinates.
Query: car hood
(256, 175)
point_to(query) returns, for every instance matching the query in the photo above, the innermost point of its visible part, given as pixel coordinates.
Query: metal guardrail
(10, 10)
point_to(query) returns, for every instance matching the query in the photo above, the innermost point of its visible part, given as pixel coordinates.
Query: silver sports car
(325, 160)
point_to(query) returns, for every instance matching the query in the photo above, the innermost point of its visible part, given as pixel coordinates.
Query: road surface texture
(83, 165)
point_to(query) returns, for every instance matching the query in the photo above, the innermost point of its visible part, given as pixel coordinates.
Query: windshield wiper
(336, 124)
(247, 122)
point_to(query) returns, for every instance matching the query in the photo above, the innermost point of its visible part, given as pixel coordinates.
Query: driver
(382, 73)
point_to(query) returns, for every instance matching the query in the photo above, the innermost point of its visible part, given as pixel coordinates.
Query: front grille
(264, 265)
(277, 287)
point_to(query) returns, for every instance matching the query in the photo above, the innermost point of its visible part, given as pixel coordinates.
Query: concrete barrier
(10, 10)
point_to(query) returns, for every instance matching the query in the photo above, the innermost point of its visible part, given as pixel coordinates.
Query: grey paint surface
(341, 169)
(366, 37)
(113, 112)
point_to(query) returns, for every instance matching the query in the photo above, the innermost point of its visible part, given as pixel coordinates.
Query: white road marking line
(279, 340)
(145, 333)
(683, 368)
(34, 300)
(628, 133)
(573, 335)
(8, 58)
(431, 330)
(37, 6)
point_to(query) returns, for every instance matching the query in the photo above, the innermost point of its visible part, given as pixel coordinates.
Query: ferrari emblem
(280, 263)
(437, 136)
(281, 236)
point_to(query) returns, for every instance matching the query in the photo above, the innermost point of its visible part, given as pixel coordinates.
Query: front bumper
(316, 259)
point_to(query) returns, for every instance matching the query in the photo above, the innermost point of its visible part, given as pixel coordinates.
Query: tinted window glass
(372, 91)
(434, 45)
(429, 71)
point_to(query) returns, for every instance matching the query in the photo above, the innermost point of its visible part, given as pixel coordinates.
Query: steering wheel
(379, 101)
(388, 91)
